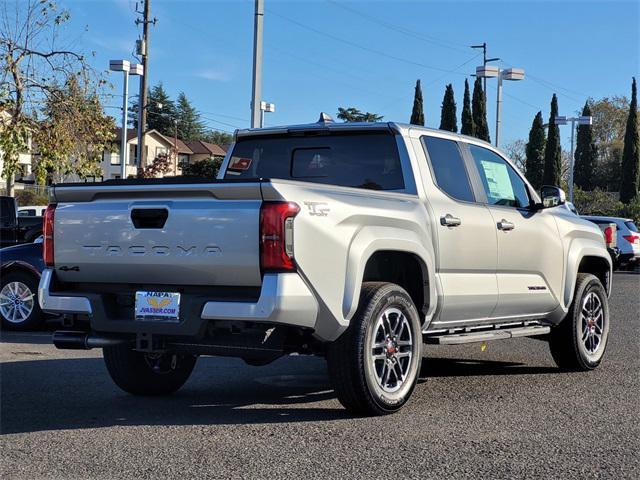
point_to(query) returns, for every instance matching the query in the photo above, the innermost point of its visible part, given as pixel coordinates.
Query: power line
(362, 47)
(400, 29)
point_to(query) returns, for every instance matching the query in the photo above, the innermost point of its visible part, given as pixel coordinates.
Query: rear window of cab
(362, 160)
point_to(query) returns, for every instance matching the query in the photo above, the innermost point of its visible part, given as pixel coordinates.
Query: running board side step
(486, 335)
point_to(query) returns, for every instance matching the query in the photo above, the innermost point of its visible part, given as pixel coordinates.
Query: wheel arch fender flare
(580, 249)
(370, 240)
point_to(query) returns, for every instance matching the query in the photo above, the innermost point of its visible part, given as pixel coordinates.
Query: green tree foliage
(586, 155)
(467, 127)
(448, 115)
(190, 127)
(417, 114)
(629, 185)
(609, 123)
(352, 114)
(161, 111)
(479, 111)
(553, 153)
(73, 133)
(535, 152)
(32, 71)
(207, 168)
(217, 137)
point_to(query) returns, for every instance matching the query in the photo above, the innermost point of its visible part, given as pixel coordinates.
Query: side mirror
(552, 196)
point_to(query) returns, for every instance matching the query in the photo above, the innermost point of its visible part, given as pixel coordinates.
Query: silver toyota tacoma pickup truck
(361, 243)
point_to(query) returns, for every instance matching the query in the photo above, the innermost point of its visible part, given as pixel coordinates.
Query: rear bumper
(284, 299)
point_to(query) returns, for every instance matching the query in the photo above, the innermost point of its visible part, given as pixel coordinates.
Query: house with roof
(156, 145)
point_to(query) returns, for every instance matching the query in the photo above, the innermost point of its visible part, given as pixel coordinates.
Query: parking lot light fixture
(510, 74)
(266, 107)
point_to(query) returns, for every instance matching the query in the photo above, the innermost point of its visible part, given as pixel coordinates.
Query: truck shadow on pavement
(56, 394)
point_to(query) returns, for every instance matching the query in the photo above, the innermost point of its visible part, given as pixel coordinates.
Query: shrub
(30, 197)
(632, 210)
(207, 168)
(597, 202)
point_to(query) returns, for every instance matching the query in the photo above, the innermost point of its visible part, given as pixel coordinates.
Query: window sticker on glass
(238, 163)
(498, 180)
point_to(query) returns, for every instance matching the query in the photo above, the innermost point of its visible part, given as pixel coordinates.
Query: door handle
(149, 217)
(505, 225)
(450, 221)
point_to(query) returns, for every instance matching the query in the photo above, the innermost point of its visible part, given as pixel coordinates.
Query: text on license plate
(160, 306)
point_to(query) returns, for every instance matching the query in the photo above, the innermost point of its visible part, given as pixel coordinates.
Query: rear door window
(362, 160)
(448, 168)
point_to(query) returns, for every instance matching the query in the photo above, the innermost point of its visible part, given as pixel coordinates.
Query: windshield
(362, 160)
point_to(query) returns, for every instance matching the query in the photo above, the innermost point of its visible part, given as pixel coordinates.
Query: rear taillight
(276, 236)
(608, 235)
(47, 232)
(632, 238)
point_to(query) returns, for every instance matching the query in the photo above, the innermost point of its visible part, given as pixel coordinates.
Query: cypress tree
(479, 108)
(586, 155)
(535, 152)
(553, 152)
(467, 127)
(631, 152)
(448, 118)
(417, 114)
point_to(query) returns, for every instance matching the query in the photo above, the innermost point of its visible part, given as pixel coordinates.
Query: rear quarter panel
(336, 232)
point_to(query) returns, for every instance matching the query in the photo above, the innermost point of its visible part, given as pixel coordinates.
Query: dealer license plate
(158, 306)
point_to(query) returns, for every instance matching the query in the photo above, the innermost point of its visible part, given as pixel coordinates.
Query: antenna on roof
(325, 118)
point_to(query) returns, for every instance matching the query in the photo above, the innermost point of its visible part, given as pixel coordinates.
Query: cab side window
(502, 184)
(448, 168)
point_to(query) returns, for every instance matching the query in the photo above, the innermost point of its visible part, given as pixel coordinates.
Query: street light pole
(123, 66)
(581, 120)
(498, 107)
(256, 89)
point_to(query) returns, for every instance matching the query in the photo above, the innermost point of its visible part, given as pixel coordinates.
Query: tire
(579, 342)
(23, 312)
(133, 372)
(362, 383)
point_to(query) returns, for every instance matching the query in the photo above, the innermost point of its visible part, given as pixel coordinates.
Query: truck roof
(342, 126)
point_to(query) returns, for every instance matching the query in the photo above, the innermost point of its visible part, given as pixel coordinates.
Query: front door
(466, 239)
(530, 254)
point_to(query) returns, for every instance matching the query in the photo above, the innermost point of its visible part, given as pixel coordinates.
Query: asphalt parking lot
(504, 412)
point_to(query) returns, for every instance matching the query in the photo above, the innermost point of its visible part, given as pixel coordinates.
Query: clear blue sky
(323, 54)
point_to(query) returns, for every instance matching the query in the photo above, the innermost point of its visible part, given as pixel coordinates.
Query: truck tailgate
(159, 233)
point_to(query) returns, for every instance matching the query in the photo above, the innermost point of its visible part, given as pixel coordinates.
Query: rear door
(466, 237)
(530, 254)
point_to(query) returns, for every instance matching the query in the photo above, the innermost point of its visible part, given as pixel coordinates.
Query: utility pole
(256, 89)
(143, 50)
(484, 63)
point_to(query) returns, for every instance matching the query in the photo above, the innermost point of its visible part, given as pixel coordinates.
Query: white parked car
(31, 210)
